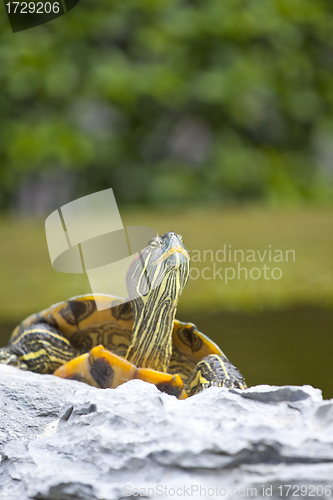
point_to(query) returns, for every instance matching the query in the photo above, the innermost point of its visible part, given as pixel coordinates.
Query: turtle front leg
(215, 370)
(102, 368)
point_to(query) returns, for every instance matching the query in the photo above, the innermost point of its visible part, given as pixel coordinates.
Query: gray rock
(62, 440)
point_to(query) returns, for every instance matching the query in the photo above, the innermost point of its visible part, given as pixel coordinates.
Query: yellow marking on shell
(26, 322)
(171, 252)
(96, 318)
(208, 346)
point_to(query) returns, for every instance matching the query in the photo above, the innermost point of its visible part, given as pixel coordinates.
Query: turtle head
(164, 263)
(155, 280)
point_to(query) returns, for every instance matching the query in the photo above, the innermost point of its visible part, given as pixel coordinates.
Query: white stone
(61, 440)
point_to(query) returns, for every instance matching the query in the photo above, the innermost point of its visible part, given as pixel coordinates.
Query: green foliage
(174, 100)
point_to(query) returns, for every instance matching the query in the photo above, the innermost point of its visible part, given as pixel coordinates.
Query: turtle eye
(154, 243)
(180, 237)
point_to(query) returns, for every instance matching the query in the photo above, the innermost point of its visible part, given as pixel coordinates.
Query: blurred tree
(172, 100)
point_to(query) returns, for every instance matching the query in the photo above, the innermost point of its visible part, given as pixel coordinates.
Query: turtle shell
(80, 321)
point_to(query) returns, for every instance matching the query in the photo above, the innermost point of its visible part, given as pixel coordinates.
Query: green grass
(28, 282)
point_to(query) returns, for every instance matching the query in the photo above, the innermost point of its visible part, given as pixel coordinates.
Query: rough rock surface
(62, 440)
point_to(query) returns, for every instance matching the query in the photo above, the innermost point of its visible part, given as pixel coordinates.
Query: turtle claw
(165, 382)
(8, 358)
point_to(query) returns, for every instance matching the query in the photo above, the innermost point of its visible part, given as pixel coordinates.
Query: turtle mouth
(170, 252)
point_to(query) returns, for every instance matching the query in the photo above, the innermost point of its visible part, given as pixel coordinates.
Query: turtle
(137, 337)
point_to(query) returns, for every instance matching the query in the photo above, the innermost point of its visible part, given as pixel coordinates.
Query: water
(291, 346)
